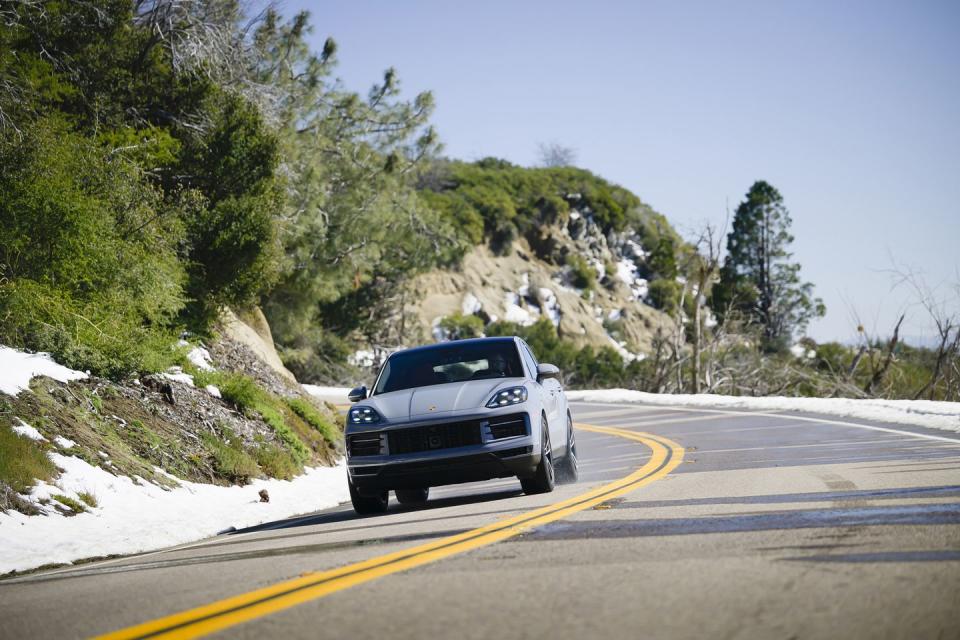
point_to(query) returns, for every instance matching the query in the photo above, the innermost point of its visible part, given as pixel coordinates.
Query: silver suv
(458, 412)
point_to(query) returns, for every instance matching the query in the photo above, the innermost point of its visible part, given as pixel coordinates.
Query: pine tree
(757, 279)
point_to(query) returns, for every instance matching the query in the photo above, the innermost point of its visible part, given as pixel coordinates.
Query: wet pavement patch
(809, 519)
(884, 556)
(948, 491)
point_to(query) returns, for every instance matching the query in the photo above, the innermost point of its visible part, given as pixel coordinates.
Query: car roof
(469, 341)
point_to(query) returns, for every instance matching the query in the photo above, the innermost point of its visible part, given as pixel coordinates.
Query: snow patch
(551, 307)
(134, 515)
(26, 431)
(921, 413)
(621, 348)
(17, 368)
(64, 443)
(200, 358)
(515, 313)
(336, 395)
(439, 333)
(600, 268)
(471, 305)
(627, 273)
(362, 358)
(800, 351)
(176, 374)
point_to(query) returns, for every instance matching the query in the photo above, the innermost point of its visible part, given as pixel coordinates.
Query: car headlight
(506, 397)
(363, 415)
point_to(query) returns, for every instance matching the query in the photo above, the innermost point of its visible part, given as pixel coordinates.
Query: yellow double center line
(665, 456)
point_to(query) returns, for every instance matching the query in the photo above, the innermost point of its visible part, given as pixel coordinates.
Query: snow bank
(132, 518)
(921, 413)
(18, 367)
(336, 395)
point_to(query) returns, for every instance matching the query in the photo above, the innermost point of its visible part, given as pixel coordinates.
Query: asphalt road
(771, 526)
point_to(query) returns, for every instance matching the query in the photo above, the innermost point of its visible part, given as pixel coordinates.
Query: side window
(529, 359)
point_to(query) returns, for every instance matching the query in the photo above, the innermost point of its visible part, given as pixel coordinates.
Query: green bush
(314, 418)
(88, 262)
(22, 461)
(234, 249)
(461, 327)
(276, 461)
(87, 498)
(230, 460)
(665, 295)
(249, 398)
(512, 200)
(582, 274)
(274, 417)
(73, 507)
(236, 388)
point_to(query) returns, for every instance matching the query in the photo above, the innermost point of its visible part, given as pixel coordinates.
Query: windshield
(450, 363)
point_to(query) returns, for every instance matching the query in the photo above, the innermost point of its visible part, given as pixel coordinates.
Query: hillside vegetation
(162, 162)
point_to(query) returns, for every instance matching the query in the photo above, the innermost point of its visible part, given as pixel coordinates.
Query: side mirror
(545, 371)
(358, 394)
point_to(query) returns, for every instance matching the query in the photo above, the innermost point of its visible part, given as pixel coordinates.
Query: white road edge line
(791, 417)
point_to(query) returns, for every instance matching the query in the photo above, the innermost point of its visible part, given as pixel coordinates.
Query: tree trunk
(877, 377)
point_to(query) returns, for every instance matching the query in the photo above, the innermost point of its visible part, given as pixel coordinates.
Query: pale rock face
(522, 287)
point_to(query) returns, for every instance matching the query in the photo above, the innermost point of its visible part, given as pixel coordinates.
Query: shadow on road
(816, 496)
(346, 514)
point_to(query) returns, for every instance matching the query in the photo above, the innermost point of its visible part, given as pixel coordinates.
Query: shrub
(90, 270)
(238, 389)
(234, 248)
(73, 507)
(88, 498)
(230, 460)
(244, 393)
(276, 461)
(664, 295)
(22, 461)
(582, 275)
(461, 327)
(274, 417)
(314, 418)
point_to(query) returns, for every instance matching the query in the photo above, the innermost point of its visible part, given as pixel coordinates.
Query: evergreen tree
(757, 279)
(663, 258)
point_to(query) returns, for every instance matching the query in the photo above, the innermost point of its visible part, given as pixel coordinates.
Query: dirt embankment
(230, 414)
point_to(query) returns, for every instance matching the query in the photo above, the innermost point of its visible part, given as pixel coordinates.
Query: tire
(567, 472)
(544, 478)
(368, 505)
(412, 496)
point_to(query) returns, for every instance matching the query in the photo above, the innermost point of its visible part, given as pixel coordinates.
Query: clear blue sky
(851, 109)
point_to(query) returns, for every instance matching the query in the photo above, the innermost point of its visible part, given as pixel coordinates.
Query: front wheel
(368, 505)
(567, 472)
(543, 479)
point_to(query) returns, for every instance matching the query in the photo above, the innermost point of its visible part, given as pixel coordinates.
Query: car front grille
(508, 426)
(435, 436)
(365, 444)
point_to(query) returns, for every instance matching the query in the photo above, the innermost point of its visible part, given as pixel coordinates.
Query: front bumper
(490, 457)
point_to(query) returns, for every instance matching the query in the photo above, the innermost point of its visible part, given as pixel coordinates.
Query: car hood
(437, 400)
